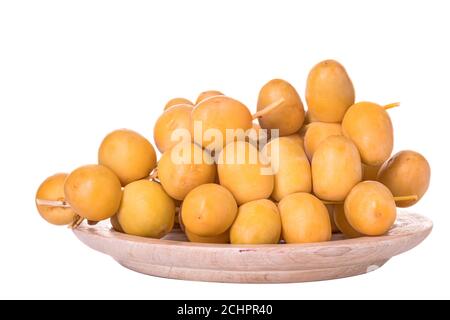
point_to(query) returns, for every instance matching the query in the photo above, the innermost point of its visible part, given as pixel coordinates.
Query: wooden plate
(173, 257)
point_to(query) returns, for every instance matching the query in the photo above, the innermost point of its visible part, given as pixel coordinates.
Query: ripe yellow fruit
(208, 94)
(94, 192)
(185, 167)
(175, 118)
(128, 154)
(406, 173)
(146, 210)
(370, 208)
(216, 115)
(369, 126)
(342, 224)
(317, 132)
(52, 189)
(177, 101)
(242, 171)
(219, 239)
(290, 165)
(257, 222)
(288, 117)
(336, 168)
(209, 210)
(304, 219)
(329, 92)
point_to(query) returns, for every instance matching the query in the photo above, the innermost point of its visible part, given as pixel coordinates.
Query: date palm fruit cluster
(333, 172)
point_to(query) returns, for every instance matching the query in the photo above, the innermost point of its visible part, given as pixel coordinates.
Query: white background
(71, 71)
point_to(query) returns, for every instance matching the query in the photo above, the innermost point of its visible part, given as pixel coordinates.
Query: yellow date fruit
(185, 167)
(52, 189)
(406, 173)
(257, 222)
(289, 116)
(146, 210)
(317, 132)
(369, 126)
(370, 208)
(304, 219)
(329, 92)
(128, 154)
(242, 170)
(94, 192)
(336, 168)
(209, 210)
(214, 116)
(175, 118)
(290, 165)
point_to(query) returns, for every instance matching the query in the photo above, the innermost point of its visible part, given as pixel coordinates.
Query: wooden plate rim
(424, 225)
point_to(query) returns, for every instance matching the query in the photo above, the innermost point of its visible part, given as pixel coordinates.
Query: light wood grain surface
(173, 257)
